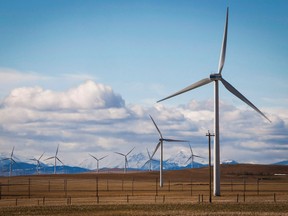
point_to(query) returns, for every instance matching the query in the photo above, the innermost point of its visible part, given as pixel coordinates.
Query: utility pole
(210, 171)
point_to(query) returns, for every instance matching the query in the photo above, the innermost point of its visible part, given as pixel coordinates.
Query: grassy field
(245, 190)
(270, 209)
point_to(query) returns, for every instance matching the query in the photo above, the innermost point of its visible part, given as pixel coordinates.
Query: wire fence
(67, 191)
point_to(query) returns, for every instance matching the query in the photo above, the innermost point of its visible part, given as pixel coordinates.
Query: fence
(66, 191)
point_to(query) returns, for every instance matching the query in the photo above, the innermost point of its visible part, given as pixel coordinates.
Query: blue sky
(143, 51)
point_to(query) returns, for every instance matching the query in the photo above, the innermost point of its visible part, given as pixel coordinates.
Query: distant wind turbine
(55, 159)
(125, 160)
(98, 161)
(149, 160)
(192, 157)
(11, 161)
(160, 144)
(216, 78)
(38, 163)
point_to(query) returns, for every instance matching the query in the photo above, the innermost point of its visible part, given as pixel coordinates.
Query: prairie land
(245, 190)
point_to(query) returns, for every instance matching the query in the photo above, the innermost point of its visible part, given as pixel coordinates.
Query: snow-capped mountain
(229, 161)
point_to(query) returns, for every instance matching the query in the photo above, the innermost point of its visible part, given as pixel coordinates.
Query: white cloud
(92, 118)
(88, 95)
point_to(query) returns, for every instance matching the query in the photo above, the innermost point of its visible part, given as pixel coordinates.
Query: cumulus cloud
(89, 95)
(91, 118)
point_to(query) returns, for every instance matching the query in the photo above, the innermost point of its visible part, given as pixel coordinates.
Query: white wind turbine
(11, 161)
(98, 161)
(125, 160)
(55, 159)
(38, 163)
(216, 78)
(149, 160)
(192, 157)
(160, 144)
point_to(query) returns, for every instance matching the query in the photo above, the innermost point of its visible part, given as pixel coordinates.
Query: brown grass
(245, 190)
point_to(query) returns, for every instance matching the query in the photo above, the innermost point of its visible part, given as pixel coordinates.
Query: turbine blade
(59, 160)
(224, 43)
(197, 156)
(156, 149)
(12, 151)
(57, 150)
(93, 157)
(234, 91)
(146, 162)
(103, 157)
(188, 159)
(191, 149)
(130, 151)
(41, 156)
(174, 140)
(119, 153)
(49, 158)
(148, 154)
(188, 88)
(156, 126)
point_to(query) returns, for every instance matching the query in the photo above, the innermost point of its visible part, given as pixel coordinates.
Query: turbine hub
(216, 76)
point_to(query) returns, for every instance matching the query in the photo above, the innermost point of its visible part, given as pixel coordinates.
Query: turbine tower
(11, 161)
(55, 159)
(38, 163)
(125, 160)
(216, 78)
(160, 144)
(192, 157)
(98, 161)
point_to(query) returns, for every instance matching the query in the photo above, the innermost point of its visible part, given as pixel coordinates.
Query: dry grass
(245, 190)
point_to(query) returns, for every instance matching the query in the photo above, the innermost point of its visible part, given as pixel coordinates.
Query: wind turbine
(216, 78)
(160, 144)
(11, 161)
(38, 163)
(98, 161)
(192, 157)
(55, 159)
(125, 156)
(149, 161)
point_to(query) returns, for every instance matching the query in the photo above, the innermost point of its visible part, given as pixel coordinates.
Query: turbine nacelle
(216, 76)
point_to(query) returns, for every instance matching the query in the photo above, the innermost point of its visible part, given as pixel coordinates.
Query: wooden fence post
(156, 188)
(96, 186)
(29, 188)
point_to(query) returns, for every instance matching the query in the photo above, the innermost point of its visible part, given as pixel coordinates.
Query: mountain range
(138, 161)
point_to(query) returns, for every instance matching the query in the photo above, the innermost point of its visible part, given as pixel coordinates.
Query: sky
(86, 75)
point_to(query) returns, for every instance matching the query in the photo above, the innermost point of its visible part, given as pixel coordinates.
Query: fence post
(156, 188)
(132, 186)
(0, 191)
(237, 198)
(127, 198)
(65, 187)
(258, 186)
(43, 201)
(274, 197)
(244, 192)
(163, 198)
(96, 186)
(29, 188)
